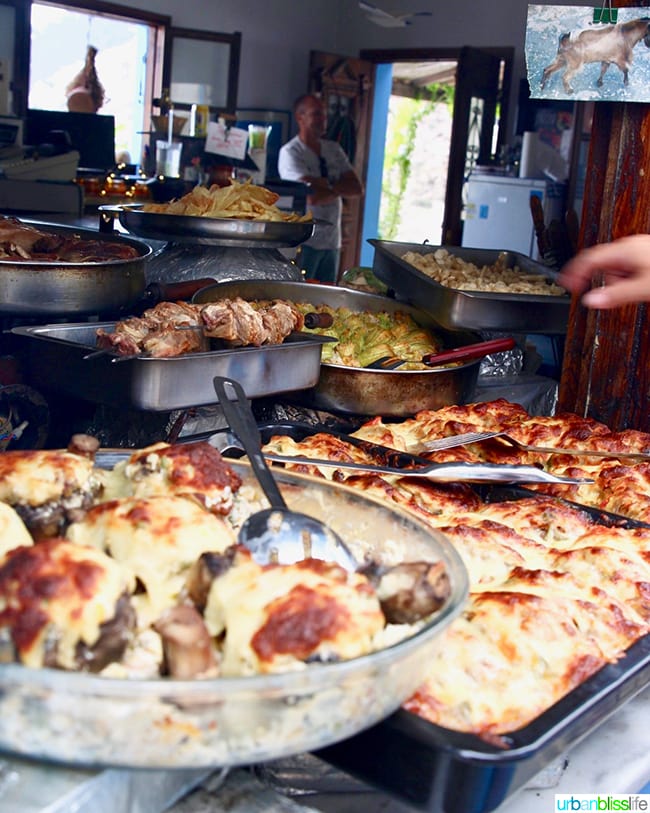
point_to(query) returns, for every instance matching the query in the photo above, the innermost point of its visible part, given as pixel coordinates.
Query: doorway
(416, 151)
(436, 114)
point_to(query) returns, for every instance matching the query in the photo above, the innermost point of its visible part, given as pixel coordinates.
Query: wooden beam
(606, 371)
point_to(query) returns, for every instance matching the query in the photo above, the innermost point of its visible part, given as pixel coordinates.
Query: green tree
(405, 115)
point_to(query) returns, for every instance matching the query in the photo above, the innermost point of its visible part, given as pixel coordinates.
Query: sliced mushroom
(115, 636)
(410, 591)
(83, 445)
(204, 571)
(187, 646)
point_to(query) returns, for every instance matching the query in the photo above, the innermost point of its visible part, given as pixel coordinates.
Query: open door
(482, 87)
(345, 85)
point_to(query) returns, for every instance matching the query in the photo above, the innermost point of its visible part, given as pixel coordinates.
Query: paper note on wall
(229, 141)
(569, 56)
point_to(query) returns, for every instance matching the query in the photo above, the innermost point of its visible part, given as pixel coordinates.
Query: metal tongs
(477, 437)
(446, 472)
(405, 464)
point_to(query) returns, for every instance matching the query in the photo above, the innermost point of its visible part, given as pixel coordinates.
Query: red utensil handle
(469, 351)
(174, 291)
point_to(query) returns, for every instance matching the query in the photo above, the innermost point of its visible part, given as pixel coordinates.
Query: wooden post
(606, 370)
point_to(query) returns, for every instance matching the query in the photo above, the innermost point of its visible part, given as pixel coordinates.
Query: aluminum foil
(506, 363)
(180, 263)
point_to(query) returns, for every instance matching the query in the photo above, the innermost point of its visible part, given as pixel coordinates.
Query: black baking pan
(443, 771)
(472, 310)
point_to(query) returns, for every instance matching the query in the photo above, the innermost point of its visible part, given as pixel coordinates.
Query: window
(128, 63)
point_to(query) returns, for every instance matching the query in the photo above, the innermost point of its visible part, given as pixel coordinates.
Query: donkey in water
(612, 45)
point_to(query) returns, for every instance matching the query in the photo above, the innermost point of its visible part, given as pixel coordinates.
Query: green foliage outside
(405, 114)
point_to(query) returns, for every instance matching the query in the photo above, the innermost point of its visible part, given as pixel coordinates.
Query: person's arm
(322, 191)
(625, 268)
(348, 185)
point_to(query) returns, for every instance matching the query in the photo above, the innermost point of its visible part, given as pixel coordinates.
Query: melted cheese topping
(509, 658)
(276, 617)
(555, 593)
(156, 540)
(55, 595)
(195, 470)
(37, 477)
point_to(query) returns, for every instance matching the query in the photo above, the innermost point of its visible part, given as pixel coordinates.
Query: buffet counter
(580, 742)
(615, 758)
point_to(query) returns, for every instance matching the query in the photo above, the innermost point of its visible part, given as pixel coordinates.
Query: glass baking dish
(93, 721)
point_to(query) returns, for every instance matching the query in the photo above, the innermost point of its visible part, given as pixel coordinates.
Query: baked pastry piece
(556, 592)
(277, 617)
(48, 488)
(63, 605)
(194, 470)
(156, 539)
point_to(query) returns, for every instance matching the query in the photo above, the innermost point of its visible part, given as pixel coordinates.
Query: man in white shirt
(325, 168)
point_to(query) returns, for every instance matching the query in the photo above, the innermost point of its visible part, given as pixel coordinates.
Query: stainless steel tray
(471, 310)
(55, 359)
(210, 230)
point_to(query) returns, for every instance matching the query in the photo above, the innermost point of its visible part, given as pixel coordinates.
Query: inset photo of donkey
(568, 56)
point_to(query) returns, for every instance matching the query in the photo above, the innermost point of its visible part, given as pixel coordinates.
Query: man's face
(312, 118)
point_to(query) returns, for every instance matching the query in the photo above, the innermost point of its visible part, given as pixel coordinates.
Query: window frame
(234, 40)
(160, 25)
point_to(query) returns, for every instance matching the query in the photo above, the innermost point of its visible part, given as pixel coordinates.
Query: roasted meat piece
(18, 241)
(187, 646)
(235, 321)
(174, 328)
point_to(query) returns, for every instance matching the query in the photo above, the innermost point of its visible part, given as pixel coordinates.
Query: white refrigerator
(497, 212)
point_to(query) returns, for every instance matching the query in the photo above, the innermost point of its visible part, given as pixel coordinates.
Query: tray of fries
(241, 214)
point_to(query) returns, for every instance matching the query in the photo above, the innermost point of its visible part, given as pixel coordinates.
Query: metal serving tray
(55, 359)
(471, 310)
(443, 771)
(211, 230)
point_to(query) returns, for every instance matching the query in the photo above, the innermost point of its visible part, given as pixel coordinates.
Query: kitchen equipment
(445, 472)
(210, 230)
(472, 310)
(54, 356)
(478, 437)
(40, 288)
(355, 390)
(227, 443)
(275, 534)
(470, 351)
(497, 211)
(83, 719)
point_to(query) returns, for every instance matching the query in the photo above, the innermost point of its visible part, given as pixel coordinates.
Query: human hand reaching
(625, 268)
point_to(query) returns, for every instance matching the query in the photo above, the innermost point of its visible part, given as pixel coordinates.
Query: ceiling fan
(386, 20)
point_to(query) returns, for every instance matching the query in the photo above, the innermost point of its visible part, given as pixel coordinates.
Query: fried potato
(239, 201)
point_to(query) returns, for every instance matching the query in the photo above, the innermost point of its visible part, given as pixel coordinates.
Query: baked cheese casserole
(557, 591)
(145, 577)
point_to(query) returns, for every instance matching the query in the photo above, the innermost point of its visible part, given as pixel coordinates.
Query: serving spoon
(275, 534)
